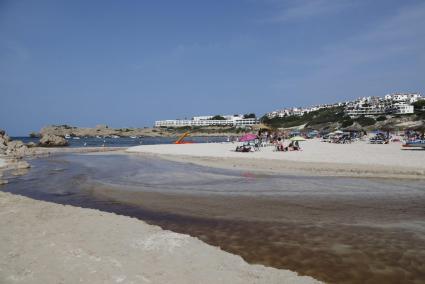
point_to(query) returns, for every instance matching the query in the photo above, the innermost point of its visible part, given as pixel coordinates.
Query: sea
(127, 141)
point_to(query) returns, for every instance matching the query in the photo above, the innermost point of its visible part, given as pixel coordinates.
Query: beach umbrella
(297, 138)
(387, 128)
(248, 137)
(353, 128)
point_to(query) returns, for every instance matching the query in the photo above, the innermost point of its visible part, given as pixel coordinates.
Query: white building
(397, 103)
(404, 97)
(365, 109)
(229, 120)
(295, 111)
(401, 108)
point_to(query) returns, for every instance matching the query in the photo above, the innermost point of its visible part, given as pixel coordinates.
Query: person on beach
(279, 145)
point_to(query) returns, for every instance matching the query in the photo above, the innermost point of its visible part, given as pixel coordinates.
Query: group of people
(266, 138)
(292, 146)
(277, 140)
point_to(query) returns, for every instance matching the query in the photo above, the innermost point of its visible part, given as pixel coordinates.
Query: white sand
(359, 158)
(44, 243)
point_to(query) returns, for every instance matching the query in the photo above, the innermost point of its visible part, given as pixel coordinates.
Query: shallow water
(339, 230)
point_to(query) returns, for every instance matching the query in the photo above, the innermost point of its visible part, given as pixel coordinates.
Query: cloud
(292, 11)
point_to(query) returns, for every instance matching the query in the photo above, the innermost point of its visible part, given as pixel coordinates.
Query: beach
(358, 159)
(286, 210)
(210, 142)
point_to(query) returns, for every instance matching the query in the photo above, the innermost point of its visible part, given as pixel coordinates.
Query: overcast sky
(128, 63)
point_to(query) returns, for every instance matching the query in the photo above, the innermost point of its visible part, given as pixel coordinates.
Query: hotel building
(203, 121)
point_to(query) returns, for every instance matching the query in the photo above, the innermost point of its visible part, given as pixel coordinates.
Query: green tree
(217, 117)
(249, 115)
(419, 105)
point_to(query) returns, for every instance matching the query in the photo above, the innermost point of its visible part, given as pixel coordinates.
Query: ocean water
(126, 141)
(338, 230)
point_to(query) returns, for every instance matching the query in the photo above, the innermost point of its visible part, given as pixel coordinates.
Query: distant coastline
(105, 131)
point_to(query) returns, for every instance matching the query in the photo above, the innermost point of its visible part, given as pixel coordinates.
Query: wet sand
(338, 230)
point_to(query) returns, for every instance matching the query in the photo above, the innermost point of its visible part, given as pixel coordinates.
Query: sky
(129, 63)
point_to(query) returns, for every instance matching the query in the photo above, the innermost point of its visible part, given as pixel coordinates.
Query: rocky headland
(105, 131)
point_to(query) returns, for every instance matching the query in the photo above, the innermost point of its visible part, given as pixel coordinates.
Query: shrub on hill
(348, 121)
(381, 118)
(365, 121)
(278, 122)
(335, 114)
(321, 116)
(420, 115)
(419, 105)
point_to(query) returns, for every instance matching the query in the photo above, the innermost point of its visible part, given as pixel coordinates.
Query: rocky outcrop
(50, 140)
(105, 131)
(11, 153)
(4, 139)
(15, 148)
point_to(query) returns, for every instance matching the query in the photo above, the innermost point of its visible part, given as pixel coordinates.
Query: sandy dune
(42, 242)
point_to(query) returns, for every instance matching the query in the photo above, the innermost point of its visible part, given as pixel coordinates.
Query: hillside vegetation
(314, 118)
(335, 118)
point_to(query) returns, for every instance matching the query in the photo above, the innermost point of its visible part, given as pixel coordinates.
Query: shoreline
(307, 162)
(11, 166)
(79, 245)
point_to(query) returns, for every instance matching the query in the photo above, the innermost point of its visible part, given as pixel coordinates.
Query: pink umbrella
(248, 137)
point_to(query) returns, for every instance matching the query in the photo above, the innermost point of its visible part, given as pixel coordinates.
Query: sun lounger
(415, 144)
